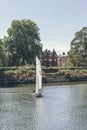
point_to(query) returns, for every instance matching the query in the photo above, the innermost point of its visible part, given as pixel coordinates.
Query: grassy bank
(26, 74)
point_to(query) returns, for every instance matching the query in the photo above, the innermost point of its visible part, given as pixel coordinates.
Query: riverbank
(27, 76)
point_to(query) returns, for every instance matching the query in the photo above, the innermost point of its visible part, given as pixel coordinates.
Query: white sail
(38, 75)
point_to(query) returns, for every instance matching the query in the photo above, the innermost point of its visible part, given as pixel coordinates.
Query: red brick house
(62, 60)
(49, 58)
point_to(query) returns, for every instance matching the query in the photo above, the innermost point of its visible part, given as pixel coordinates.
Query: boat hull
(38, 95)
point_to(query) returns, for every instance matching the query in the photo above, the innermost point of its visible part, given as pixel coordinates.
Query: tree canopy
(23, 42)
(2, 54)
(78, 51)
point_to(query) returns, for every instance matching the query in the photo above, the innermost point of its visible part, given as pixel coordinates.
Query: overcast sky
(58, 20)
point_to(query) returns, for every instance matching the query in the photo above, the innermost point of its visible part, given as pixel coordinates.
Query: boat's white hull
(38, 95)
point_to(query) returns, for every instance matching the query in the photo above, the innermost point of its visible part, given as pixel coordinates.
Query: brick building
(49, 58)
(62, 60)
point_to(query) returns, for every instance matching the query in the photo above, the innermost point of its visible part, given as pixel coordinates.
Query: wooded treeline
(23, 43)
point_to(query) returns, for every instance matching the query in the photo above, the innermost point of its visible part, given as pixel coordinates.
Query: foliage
(19, 71)
(23, 42)
(3, 57)
(78, 51)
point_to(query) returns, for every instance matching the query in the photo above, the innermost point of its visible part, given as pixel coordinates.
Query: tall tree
(2, 54)
(23, 42)
(78, 51)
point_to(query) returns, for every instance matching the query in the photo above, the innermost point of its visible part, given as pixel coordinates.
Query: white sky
(58, 20)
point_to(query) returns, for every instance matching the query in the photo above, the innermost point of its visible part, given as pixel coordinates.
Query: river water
(62, 107)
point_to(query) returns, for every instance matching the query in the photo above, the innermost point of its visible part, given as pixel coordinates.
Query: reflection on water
(63, 107)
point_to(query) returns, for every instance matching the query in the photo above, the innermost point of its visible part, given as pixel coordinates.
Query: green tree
(78, 50)
(2, 54)
(23, 42)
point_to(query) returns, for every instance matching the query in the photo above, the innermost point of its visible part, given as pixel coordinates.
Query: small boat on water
(38, 78)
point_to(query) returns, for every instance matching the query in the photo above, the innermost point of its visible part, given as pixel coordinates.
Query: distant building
(49, 58)
(62, 60)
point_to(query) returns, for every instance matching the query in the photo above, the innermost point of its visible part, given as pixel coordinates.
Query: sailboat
(38, 78)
